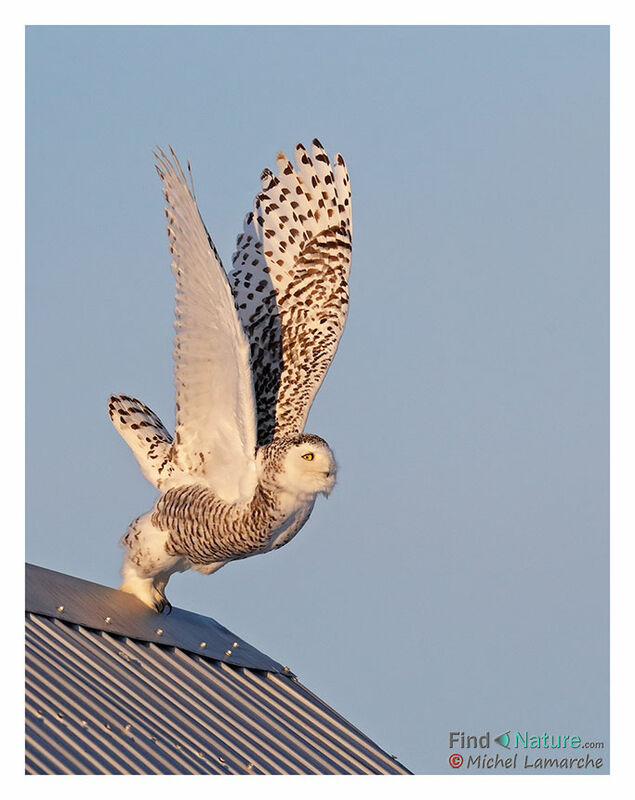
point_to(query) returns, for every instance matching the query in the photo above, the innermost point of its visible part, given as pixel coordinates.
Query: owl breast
(204, 529)
(290, 526)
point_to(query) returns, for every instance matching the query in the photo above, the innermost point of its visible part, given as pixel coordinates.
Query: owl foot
(146, 590)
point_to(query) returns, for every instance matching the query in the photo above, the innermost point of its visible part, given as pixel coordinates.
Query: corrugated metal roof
(68, 599)
(116, 697)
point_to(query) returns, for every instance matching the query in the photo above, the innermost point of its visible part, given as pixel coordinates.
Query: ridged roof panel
(106, 703)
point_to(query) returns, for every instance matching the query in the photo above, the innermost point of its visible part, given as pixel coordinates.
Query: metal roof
(113, 688)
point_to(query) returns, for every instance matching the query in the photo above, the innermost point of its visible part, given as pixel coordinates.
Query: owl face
(310, 467)
(300, 464)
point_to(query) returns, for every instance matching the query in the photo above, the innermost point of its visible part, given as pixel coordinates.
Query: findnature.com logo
(518, 741)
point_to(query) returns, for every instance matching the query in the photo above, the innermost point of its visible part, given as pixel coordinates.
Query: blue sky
(457, 578)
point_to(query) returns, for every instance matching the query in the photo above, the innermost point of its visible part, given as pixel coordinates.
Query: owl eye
(308, 456)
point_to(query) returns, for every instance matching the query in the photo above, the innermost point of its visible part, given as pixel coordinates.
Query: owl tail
(144, 433)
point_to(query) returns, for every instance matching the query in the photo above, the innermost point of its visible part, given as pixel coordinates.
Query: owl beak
(330, 476)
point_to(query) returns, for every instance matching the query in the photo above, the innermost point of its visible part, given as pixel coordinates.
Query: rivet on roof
(107, 620)
(228, 652)
(235, 644)
(60, 609)
(203, 645)
(159, 631)
(286, 669)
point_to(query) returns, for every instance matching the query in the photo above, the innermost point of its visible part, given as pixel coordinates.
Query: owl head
(301, 464)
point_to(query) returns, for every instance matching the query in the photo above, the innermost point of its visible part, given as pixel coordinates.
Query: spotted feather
(145, 434)
(290, 284)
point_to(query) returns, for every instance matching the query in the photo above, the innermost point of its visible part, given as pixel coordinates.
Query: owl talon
(161, 602)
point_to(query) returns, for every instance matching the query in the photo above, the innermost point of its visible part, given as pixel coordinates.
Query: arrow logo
(503, 740)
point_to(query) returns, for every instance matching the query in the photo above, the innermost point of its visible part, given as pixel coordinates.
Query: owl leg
(147, 566)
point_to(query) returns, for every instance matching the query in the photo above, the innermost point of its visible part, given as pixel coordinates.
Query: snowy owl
(251, 350)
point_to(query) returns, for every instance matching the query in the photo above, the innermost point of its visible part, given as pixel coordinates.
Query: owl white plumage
(251, 350)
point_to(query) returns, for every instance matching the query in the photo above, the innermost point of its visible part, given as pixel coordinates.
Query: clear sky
(457, 578)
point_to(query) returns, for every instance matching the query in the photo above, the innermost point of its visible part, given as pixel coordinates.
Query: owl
(240, 476)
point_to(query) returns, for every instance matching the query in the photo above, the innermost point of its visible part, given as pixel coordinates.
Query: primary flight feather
(251, 350)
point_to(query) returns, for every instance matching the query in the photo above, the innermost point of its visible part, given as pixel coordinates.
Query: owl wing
(290, 284)
(145, 434)
(215, 436)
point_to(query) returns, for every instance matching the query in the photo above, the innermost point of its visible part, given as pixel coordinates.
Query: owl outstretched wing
(215, 436)
(290, 284)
